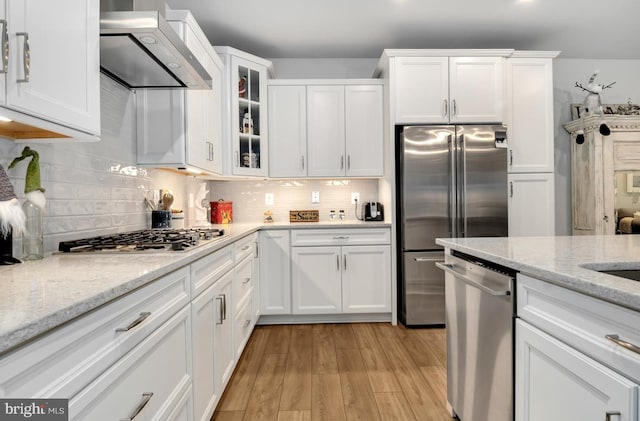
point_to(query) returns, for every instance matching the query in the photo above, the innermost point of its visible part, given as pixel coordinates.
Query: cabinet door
(421, 89)
(223, 336)
(325, 131)
(530, 114)
(205, 314)
(476, 89)
(275, 272)
(556, 382)
(61, 40)
(531, 204)
(316, 283)
(213, 117)
(366, 279)
(364, 130)
(287, 131)
(249, 99)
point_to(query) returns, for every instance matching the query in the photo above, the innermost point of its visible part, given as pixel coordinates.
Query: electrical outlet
(355, 198)
(268, 199)
(315, 197)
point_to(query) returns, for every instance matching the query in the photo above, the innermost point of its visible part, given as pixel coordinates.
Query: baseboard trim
(279, 319)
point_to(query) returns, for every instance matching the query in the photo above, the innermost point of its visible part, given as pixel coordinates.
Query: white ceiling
(590, 29)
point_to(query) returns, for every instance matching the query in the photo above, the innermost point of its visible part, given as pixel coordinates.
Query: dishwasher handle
(449, 268)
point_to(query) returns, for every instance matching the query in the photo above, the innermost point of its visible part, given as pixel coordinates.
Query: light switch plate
(268, 199)
(315, 197)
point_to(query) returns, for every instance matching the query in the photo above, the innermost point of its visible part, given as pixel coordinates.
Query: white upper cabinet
(326, 135)
(288, 131)
(182, 128)
(430, 89)
(326, 129)
(530, 114)
(52, 69)
(244, 110)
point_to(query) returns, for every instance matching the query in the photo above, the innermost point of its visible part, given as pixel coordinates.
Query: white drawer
(242, 327)
(205, 271)
(160, 365)
(340, 237)
(243, 283)
(582, 322)
(61, 363)
(246, 246)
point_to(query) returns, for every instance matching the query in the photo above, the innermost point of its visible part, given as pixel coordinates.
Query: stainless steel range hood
(139, 49)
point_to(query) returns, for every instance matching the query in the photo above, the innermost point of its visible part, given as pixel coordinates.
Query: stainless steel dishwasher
(479, 320)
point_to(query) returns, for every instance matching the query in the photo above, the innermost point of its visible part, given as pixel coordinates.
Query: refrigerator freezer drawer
(423, 301)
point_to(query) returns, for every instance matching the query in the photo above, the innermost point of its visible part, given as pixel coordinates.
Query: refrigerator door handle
(427, 259)
(453, 225)
(460, 184)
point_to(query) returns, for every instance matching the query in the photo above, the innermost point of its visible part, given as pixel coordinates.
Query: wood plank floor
(360, 371)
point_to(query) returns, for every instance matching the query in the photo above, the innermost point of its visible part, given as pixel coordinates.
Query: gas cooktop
(144, 241)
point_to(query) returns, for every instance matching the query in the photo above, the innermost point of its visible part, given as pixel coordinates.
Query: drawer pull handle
(609, 414)
(146, 397)
(427, 259)
(616, 339)
(246, 280)
(134, 323)
(341, 237)
(245, 248)
(224, 306)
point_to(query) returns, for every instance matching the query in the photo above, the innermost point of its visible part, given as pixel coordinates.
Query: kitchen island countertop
(567, 261)
(37, 296)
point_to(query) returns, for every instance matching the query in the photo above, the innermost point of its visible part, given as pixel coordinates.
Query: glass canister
(32, 237)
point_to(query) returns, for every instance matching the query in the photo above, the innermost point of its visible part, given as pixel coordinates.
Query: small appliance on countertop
(373, 211)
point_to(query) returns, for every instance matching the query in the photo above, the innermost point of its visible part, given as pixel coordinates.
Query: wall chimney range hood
(140, 49)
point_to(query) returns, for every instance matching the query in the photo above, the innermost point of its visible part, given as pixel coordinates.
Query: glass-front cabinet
(245, 113)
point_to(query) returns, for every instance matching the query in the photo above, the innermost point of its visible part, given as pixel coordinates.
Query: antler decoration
(579, 85)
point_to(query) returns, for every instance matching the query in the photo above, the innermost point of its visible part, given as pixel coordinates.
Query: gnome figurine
(32, 237)
(11, 219)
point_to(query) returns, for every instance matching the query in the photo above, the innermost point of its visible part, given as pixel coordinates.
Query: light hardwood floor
(360, 371)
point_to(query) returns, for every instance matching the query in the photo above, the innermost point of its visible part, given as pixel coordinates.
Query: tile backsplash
(248, 197)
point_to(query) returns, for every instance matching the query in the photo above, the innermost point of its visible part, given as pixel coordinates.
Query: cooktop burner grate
(156, 239)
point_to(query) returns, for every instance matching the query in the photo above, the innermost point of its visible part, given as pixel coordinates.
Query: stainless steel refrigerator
(451, 182)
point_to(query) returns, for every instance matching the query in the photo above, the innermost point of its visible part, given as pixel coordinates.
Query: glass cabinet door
(249, 119)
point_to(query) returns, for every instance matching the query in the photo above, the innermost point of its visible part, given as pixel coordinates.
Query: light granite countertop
(37, 296)
(566, 261)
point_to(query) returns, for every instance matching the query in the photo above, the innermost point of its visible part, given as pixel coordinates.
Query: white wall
(626, 74)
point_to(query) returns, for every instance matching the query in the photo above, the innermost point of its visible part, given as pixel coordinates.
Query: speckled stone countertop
(38, 296)
(566, 261)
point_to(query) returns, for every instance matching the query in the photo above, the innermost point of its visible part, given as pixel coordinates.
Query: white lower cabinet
(556, 382)
(366, 275)
(275, 272)
(316, 285)
(149, 381)
(569, 364)
(223, 333)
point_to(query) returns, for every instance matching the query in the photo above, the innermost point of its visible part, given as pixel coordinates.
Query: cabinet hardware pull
(341, 237)
(455, 107)
(146, 397)
(510, 188)
(237, 159)
(26, 57)
(246, 280)
(224, 306)
(345, 261)
(605, 218)
(342, 162)
(338, 263)
(219, 297)
(257, 255)
(302, 160)
(5, 46)
(616, 339)
(445, 108)
(245, 248)
(609, 414)
(134, 323)
(247, 323)
(348, 162)
(510, 156)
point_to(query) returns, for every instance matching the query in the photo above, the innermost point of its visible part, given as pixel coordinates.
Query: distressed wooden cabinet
(593, 166)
